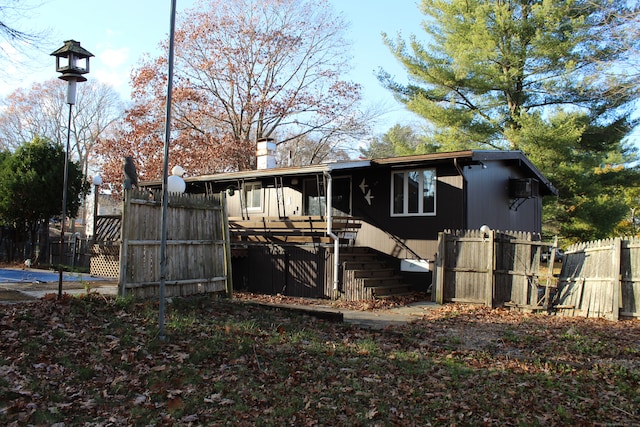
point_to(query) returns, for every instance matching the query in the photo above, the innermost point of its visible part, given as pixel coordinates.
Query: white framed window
(413, 192)
(253, 195)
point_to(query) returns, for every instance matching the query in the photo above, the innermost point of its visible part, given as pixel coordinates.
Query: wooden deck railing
(294, 229)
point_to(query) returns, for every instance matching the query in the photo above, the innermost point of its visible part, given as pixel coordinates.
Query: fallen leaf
(175, 403)
(372, 413)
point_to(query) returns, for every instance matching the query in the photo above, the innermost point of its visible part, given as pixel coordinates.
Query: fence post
(550, 266)
(616, 281)
(491, 266)
(124, 243)
(438, 277)
(227, 244)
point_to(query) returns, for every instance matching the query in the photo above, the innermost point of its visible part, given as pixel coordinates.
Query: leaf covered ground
(98, 361)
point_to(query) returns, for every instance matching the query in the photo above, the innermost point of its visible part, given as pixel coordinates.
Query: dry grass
(98, 361)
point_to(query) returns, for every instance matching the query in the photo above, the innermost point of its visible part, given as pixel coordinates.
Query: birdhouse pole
(72, 61)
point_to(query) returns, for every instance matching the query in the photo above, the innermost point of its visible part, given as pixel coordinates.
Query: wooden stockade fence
(197, 250)
(600, 279)
(597, 279)
(490, 268)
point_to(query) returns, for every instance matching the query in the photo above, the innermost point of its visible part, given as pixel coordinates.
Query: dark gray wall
(489, 203)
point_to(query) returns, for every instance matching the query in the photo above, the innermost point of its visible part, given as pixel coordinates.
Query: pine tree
(489, 64)
(551, 78)
(397, 141)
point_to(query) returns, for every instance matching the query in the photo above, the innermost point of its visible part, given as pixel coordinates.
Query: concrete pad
(371, 319)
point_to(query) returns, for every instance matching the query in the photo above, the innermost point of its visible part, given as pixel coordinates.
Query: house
(367, 228)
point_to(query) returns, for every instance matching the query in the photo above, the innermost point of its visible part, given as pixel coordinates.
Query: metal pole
(165, 174)
(64, 201)
(95, 213)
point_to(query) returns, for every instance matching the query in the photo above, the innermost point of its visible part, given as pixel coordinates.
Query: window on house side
(253, 195)
(413, 192)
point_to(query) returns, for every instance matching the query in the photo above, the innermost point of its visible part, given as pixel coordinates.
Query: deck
(292, 230)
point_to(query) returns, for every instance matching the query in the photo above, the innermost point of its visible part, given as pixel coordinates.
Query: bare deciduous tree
(11, 12)
(244, 70)
(42, 112)
(20, 40)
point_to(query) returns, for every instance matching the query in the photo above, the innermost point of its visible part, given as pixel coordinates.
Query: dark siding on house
(287, 270)
(449, 205)
(420, 233)
(488, 200)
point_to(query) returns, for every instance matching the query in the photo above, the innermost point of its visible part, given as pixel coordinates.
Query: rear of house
(368, 228)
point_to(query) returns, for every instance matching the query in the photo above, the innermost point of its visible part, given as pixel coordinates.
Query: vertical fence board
(488, 245)
(630, 277)
(197, 252)
(223, 232)
(124, 247)
(438, 276)
(615, 282)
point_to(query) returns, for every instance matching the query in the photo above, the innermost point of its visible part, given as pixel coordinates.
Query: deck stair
(369, 274)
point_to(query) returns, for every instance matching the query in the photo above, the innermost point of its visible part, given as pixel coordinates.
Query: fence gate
(197, 246)
(490, 268)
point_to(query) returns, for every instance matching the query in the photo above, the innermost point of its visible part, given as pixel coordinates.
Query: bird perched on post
(130, 173)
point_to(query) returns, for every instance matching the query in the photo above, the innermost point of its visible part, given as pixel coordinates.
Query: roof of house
(459, 157)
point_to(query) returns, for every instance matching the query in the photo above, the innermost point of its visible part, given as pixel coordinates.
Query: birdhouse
(72, 61)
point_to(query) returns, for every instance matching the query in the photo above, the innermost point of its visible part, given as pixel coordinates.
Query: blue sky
(119, 32)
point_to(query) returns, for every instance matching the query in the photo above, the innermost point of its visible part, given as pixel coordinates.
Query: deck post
(336, 239)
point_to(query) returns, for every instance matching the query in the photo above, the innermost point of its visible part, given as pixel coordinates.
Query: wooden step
(375, 282)
(364, 265)
(374, 273)
(358, 256)
(354, 250)
(391, 291)
(393, 294)
(281, 239)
